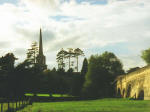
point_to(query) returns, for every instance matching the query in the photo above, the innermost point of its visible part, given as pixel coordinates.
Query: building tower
(41, 59)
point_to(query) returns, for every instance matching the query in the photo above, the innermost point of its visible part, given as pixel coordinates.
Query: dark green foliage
(60, 58)
(96, 77)
(76, 84)
(70, 71)
(32, 53)
(51, 82)
(55, 82)
(133, 69)
(146, 56)
(15, 81)
(102, 70)
(84, 67)
(54, 69)
(21, 79)
(7, 74)
(26, 77)
(84, 70)
(7, 62)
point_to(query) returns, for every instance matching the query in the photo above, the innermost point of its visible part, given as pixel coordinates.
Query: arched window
(141, 95)
(123, 93)
(119, 93)
(128, 91)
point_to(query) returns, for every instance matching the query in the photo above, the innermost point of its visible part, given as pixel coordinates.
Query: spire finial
(40, 43)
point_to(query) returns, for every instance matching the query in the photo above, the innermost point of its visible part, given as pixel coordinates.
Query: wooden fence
(13, 104)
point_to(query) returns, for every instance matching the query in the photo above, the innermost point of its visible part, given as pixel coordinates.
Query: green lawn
(47, 95)
(102, 105)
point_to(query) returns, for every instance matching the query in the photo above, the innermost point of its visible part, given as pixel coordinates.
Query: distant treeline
(96, 78)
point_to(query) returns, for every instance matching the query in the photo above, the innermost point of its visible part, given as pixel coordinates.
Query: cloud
(91, 27)
(131, 61)
(42, 4)
(41, 7)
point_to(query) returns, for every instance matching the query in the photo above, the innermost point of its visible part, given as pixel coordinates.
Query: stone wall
(134, 85)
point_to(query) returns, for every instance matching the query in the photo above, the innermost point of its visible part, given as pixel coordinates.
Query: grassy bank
(102, 105)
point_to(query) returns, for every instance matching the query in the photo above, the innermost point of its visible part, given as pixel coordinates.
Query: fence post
(22, 103)
(16, 104)
(8, 105)
(13, 107)
(1, 107)
(19, 103)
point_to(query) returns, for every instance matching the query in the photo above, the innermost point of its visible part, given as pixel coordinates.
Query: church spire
(41, 59)
(40, 44)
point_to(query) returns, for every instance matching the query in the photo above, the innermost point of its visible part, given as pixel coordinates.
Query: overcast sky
(95, 26)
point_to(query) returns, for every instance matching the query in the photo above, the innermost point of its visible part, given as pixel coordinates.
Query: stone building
(134, 85)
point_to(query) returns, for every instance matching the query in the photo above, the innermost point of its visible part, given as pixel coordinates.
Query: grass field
(47, 95)
(101, 105)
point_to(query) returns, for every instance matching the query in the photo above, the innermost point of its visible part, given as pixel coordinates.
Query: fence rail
(13, 104)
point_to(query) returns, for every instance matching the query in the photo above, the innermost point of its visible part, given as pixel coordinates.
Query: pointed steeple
(41, 59)
(40, 44)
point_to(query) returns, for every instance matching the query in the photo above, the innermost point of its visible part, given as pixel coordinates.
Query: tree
(7, 74)
(36, 70)
(84, 67)
(22, 79)
(62, 81)
(112, 64)
(78, 52)
(60, 58)
(50, 85)
(84, 70)
(69, 55)
(7, 62)
(75, 84)
(32, 53)
(54, 69)
(146, 56)
(102, 71)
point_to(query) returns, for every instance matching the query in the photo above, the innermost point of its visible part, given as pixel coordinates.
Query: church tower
(41, 59)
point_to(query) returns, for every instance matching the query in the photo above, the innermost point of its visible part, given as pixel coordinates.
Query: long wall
(135, 85)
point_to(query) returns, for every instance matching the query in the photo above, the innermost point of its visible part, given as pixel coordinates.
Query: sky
(95, 26)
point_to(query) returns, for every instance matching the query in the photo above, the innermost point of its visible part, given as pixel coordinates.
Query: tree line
(63, 55)
(96, 78)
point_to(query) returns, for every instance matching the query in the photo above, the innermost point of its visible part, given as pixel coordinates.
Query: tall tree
(102, 71)
(146, 56)
(60, 58)
(69, 55)
(7, 62)
(32, 53)
(84, 70)
(7, 74)
(84, 67)
(78, 52)
(35, 67)
(22, 79)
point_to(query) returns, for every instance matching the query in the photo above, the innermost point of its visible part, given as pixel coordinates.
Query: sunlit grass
(101, 105)
(28, 94)
(48, 95)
